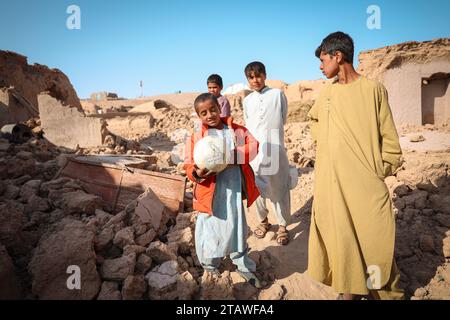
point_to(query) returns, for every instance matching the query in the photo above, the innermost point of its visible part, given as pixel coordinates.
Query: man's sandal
(283, 237)
(262, 229)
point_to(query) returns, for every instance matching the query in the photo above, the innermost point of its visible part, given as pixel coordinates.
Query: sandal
(283, 237)
(262, 228)
(250, 278)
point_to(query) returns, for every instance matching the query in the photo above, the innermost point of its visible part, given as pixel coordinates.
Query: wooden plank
(105, 179)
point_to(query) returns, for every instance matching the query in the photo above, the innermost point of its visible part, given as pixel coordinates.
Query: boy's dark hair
(205, 97)
(337, 41)
(256, 67)
(215, 78)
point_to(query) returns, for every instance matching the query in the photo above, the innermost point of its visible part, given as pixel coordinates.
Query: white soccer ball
(210, 153)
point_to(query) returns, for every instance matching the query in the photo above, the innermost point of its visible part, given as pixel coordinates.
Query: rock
(409, 214)
(446, 247)
(10, 288)
(163, 276)
(417, 138)
(445, 274)
(36, 203)
(4, 145)
(160, 252)
(100, 219)
(133, 248)
(401, 190)
(184, 238)
(104, 239)
(216, 288)
(149, 209)
(427, 212)
(56, 184)
(143, 264)
(20, 168)
(146, 238)
(30, 188)
(109, 291)
(12, 221)
(443, 219)
(134, 287)
(426, 243)
(420, 293)
(274, 292)
(124, 237)
(68, 243)
(24, 155)
(140, 229)
(11, 192)
(118, 269)
(187, 287)
(440, 203)
(80, 202)
(416, 199)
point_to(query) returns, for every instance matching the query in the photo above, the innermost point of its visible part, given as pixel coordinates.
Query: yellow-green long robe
(352, 225)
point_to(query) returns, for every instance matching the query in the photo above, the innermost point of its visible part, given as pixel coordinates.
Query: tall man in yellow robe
(352, 233)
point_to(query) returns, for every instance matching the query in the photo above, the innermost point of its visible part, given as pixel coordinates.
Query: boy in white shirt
(265, 113)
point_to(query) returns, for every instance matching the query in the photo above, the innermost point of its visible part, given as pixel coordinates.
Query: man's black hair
(256, 67)
(337, 41)
(216, 79)
(205, 97)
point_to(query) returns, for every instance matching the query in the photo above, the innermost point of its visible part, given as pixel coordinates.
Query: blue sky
(175, 44)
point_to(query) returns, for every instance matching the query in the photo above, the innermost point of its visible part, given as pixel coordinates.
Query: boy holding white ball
(217, 161)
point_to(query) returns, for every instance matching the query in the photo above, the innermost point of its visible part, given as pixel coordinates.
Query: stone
(109, 291)
(146, 238)
(11, 192)
(401, 190)
(443, 219)
(420, 293)
(163, 276)
(12, 222)
(187, 286)
(36, 203)
(440, 203)
(20, 168)
(417, 138)
(30, 188)
(124, 237)
(409, 214)
(134, 287)
(184, 238)
(24, 155)
(80, 202)
(274, 292)
(104, 239)
(446, 247)
(143, 264)
(118, 269)
(426, 243)
(160, 252)
(67, 243)
(10, 288)
(216, 288)
(149, 209)
(134, 248)
(416, 199)
(100, 219)
(427, 212)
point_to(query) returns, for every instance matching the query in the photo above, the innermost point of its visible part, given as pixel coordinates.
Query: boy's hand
(203, 173)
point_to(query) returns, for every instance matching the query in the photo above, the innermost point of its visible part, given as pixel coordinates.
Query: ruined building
(417, 76)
